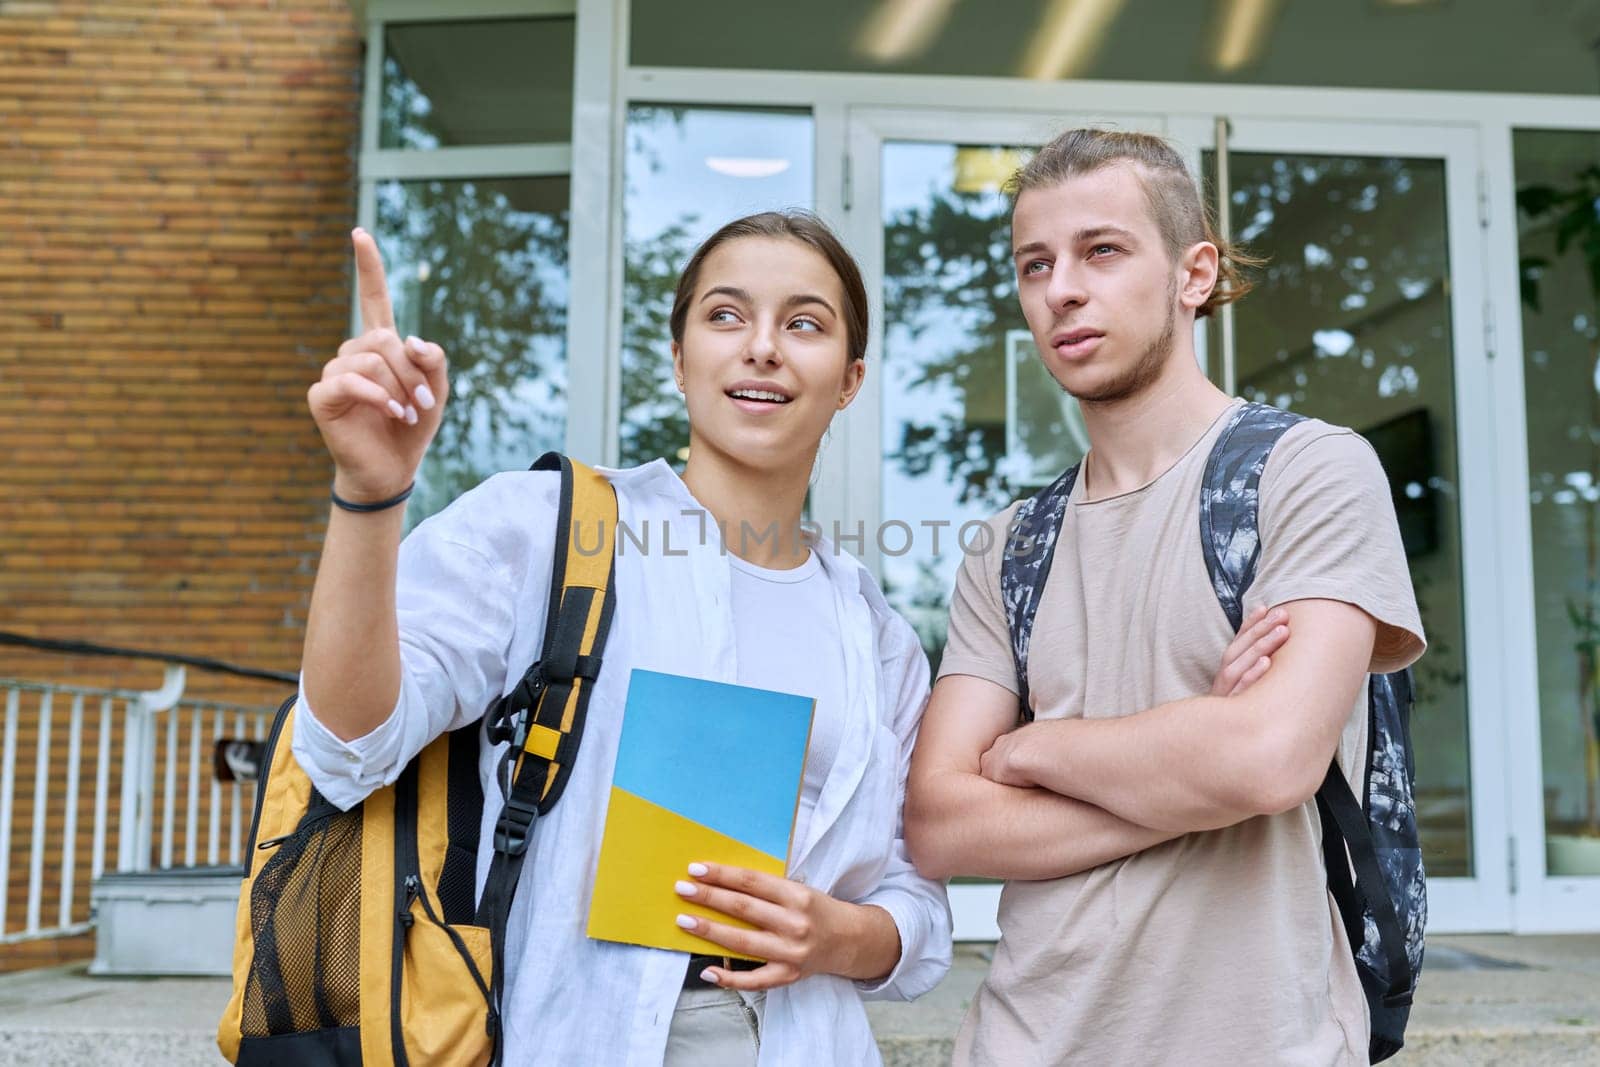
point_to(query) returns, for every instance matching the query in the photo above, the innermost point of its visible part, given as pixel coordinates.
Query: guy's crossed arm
(1209, 762)
(961, 820)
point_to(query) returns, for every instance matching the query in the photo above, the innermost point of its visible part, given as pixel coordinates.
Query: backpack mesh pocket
(305, 914)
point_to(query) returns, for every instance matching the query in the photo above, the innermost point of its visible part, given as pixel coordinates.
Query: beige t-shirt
(1220, 947)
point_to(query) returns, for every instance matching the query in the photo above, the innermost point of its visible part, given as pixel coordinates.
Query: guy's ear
(1198, 274)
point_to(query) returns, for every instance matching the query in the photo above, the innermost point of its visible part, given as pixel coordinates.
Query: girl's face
(764, 362)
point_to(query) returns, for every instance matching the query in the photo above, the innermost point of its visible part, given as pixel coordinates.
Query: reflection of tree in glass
(1355, 245)
(925, 605)
(1572, 212)
(480, 267)
(654, 422)
(1575, 213)
(403, 110)
(1344, 276)
(646, 125)
(948, 278)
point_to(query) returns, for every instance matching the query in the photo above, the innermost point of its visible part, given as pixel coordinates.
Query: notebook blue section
(727, 756)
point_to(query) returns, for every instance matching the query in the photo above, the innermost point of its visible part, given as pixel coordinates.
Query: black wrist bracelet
(381, 505)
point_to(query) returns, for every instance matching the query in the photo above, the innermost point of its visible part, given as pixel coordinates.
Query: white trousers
(715, 1028)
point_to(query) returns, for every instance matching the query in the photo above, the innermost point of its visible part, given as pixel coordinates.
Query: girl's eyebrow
(733, 291)
(808, 298)
(743, 296)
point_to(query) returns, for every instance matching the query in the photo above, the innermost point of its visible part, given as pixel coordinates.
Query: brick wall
(176, 193)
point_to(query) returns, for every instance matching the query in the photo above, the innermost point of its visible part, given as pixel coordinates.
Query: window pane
(1397, 44)
(688, 171)
(1352, 324)
(480, 267)
(1558, 191)
(971, 420)
(476, 83)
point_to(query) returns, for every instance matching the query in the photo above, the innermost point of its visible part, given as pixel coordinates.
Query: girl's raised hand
(380, 399)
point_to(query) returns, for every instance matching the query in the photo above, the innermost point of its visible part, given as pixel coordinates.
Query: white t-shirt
(787, 632)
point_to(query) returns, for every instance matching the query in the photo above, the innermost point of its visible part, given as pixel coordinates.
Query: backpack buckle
(513, 829)
(508, 716)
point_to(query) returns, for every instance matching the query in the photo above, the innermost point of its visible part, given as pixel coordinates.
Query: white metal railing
(158, 735)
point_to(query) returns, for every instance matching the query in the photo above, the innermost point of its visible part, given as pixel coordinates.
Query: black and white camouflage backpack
(1385, 906)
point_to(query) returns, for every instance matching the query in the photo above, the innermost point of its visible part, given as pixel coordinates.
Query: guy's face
(1098, 287)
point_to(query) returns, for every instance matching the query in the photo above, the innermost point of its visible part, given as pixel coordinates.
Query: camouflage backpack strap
(1230, 538)
(1389, 806)
(1229, 533)
(1030, 546)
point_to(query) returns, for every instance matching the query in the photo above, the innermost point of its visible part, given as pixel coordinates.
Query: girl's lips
(758, 407)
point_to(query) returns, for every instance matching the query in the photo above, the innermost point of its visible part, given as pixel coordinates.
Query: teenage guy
(1165, 898)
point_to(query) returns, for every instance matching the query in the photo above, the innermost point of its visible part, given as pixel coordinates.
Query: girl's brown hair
(1173, 196)
(800, 226)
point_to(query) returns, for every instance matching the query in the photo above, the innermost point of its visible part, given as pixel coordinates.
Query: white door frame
(853, 477)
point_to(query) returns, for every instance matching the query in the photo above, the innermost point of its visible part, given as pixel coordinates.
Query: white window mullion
(459, 10)
(491, 161)
(594, 259)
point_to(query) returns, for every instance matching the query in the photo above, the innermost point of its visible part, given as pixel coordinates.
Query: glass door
(1369, 315)
(1555, 391)
(957, 417)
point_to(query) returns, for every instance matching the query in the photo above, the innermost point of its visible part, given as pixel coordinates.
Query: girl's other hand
(799, 931)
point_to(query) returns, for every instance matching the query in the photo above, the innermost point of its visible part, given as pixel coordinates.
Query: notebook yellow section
(647, 848)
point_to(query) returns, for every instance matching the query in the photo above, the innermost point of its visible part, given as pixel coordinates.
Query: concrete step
(1484, 1001)
(1489, 1000)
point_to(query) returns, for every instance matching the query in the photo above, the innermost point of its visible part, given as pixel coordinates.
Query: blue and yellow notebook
(706, 771)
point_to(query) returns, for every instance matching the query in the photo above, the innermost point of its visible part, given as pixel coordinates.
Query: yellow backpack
(357, 939)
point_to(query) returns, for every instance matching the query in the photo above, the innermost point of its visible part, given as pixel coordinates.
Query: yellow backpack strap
(577, 622)
(542, 717)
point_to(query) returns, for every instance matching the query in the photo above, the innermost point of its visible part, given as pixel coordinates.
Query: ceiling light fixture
(1068, 37)
(900, 29)
(1243, 32)
(743, 167)
(984, 168)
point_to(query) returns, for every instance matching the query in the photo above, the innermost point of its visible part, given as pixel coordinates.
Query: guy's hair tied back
(1174, 198)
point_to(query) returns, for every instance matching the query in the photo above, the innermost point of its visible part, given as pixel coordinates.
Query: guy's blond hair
(1174, 198)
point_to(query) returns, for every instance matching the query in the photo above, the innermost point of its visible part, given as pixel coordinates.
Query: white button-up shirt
(473, 588)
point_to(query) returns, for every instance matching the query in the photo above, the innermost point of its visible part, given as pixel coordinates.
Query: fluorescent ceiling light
(1068, 37)
(985, 169)
(899, 29)
(1244, 29)
(742, 167)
